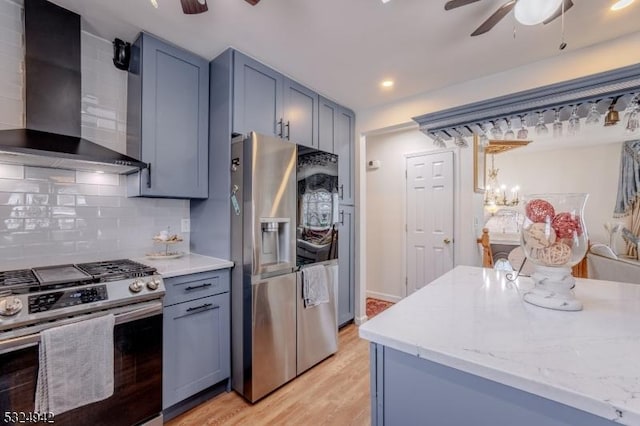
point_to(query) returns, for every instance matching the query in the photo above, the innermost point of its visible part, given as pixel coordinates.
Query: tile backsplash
(53, 216)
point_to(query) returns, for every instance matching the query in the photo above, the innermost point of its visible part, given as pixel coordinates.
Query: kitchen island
(467, 350)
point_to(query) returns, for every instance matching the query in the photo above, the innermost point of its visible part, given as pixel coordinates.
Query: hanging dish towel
(76, 365)
(315, 289)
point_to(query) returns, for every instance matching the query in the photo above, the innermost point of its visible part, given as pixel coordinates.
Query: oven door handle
(121, 317)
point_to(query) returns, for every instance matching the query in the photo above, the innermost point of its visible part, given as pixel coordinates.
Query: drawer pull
(196, 287)
(205, 306)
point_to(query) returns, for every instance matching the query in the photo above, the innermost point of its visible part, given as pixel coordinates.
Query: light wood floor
(334, 392)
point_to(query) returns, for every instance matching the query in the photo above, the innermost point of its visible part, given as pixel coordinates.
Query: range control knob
(136, 286)
(10, 306)
(153, 283)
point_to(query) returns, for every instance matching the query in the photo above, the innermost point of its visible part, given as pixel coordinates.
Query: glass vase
(554, 238)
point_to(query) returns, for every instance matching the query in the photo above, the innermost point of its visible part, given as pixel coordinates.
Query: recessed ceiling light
(386, 1)
(387, 83)
(154, 3)
(621, 4)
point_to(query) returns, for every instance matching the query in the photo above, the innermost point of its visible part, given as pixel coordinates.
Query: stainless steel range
(32, 300)
(32, 296)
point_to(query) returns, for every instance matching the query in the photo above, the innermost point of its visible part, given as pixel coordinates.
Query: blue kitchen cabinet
(327, 125)
(265, 101)
(345, 148)
(257, 97)
(168, 120)
(346, 264)
(196, 335)
(300, 114)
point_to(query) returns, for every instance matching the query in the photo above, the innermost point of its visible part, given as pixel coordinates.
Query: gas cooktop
(60, 276)
(43, 294)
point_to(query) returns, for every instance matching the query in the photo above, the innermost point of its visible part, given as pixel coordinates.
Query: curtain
(628, 201)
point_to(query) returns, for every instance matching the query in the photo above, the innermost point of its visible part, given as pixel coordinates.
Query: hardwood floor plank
(334, 392)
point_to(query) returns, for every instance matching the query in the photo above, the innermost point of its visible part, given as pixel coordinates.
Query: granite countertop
(190, 263)
(474, 320)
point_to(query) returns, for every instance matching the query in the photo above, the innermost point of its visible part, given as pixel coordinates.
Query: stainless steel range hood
(52, 137)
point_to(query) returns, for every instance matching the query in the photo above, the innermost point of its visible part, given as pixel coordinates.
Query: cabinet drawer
(195, 286)
(196, 347)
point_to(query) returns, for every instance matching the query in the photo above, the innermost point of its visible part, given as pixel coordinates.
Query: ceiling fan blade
(567, 5)
(192, 7)
(452, 4)
(252, 2)
(495, 18)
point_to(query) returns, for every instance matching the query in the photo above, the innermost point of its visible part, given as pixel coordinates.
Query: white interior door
(429, 208)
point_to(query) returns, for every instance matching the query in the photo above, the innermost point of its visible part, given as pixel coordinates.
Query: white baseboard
(384, 296)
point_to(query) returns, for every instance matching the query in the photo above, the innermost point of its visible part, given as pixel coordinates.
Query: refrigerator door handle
(342, 217)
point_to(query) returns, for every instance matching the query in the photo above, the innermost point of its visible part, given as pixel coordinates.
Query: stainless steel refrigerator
(270, 327)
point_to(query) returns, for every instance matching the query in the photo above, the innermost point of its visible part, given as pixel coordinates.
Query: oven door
(137, 396)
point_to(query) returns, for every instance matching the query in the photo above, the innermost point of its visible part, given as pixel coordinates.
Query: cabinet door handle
(149, 175)
(288, 126)
(203, 306)
(342, 217)
(197, 287)
(342, 191)
(279, 125)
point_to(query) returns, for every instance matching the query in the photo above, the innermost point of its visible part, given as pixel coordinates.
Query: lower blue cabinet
(196, 344)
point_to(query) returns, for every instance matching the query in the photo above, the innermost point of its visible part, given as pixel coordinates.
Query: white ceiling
(344, 48)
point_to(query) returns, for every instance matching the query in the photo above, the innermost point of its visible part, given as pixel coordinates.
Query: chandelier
(495, 194)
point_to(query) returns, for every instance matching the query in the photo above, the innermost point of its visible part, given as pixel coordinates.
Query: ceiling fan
(192, 7)
(527, 12)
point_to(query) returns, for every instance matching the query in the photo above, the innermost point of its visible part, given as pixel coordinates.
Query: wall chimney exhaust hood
(53, 91)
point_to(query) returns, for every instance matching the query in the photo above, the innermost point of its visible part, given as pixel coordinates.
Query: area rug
(375, 306)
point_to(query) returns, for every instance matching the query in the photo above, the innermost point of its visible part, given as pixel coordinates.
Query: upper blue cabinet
(168, 120)
(345, 148)
(267, 102)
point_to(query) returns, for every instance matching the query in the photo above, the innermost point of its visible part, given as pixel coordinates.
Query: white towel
(76, 365)
(314, 286)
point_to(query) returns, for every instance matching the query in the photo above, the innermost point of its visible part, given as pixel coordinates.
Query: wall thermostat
(374, 164)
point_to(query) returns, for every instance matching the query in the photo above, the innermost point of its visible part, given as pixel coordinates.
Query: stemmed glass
(523, 132)
(496, 131)
(438, 141)
(484, 140)
(593, 117)
(541, 128)
(509, 134)
(459, 140)
(633, 116)
(574, 121)
(557, 124)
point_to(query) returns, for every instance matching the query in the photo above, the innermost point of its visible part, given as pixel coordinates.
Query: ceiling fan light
(621, 4)
(534, 12)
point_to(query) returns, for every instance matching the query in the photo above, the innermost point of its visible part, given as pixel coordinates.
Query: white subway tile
(11, 171)
(97, 178)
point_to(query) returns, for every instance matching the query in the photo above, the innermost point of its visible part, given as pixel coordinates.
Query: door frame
(405, 292)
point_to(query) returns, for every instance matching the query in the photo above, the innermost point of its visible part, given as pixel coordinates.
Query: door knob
(446, 241)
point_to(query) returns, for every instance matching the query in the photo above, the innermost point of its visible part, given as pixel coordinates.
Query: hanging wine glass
(633, 118)
(593, 117)
(541, 128)
(557, 124)
(509, 134)
(574, 121)
(496, 131)
(439, 142)
(484, 140)
(459, 140)
(523, 133)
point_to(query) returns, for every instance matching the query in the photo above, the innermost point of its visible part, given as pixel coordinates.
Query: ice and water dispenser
(275, 241)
